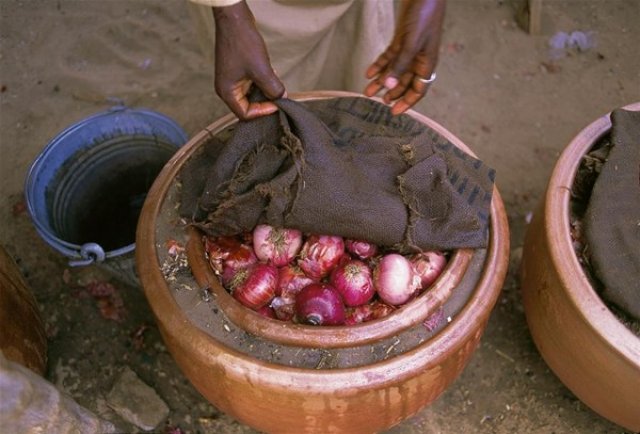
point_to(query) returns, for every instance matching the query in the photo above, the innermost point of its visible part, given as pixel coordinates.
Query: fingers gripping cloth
(343, 166)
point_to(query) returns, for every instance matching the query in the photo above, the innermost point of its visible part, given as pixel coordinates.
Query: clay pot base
(202, 307)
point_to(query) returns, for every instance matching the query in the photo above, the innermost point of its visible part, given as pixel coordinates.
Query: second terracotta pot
(585, 345)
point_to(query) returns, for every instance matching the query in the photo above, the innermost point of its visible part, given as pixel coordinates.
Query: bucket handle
(90, 253)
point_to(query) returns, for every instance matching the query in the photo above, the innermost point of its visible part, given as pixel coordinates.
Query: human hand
(411, 56)
(242, 61)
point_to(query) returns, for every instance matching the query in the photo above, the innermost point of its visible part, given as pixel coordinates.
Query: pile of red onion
(319, 279)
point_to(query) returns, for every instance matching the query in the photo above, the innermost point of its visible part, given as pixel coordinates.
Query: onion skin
(358, 315)
(354, 282)
(267, 312)
(380, 310)
(435, 320)
(361, 249)
(216, 251)
(320, 304)
(368, 312)
(291, 279)
(429, 266)
(255, 286)
(320, 254)
(284, 308)
(395, 279)
(276, 246)
(228, 255)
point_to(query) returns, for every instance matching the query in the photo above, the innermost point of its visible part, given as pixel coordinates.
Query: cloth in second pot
(343, 166)
(612, 220)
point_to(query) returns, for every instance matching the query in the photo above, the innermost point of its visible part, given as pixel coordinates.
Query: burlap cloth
(342, 166)
(612, 220)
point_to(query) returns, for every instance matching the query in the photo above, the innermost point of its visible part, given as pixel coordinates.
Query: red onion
(353, 281)
(320, 254)
(277, 246)
(429, 266)
(284, 308)
(358, 314)
(267, 312)
(380, 310)
(395, 279)
(291, 280)
(346, 257)
(367, 312)
(361, 249)
(320, 304)
(227, 255)
(255, 285)
(215, 252)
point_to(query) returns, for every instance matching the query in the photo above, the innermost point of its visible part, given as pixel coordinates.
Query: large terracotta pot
(293, 378)
(585, 345)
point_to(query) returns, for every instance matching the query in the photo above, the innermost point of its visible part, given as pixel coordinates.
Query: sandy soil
(499, 89)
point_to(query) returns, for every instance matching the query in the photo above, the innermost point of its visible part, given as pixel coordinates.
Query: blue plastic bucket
(85, 190)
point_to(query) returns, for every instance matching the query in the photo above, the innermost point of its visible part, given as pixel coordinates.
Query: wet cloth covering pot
(612, 221)
(343, 166)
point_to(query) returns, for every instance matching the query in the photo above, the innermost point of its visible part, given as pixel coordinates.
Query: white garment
(315, 45)
(217, 3)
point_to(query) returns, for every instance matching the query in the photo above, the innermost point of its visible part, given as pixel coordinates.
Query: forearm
(241, 60)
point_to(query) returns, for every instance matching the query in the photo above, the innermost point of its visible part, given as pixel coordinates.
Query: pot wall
(285, 401)
(584, 360)
(591, 352)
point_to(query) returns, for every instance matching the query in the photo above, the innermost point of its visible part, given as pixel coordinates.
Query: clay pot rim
(484, 297)
(173, 321)
(558, 197)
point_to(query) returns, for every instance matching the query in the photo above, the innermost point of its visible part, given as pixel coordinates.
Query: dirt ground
(499, 89)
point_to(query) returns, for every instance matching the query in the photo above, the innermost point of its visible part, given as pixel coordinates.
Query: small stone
(136, 402)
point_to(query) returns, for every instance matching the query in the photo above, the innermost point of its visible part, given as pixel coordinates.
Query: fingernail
(390, 82)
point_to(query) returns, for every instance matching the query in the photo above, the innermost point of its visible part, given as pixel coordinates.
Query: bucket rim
(68, 249)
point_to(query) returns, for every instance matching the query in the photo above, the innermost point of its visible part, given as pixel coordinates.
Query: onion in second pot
(255, 286)
(320, 254)
(368, 312)
(277, 246)
(429, 266)
(291, 279)
(227, 255)
(353, 281)
(361, 249)
(228, 252)
(290, 282)
(395, 279)
(320, 304)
